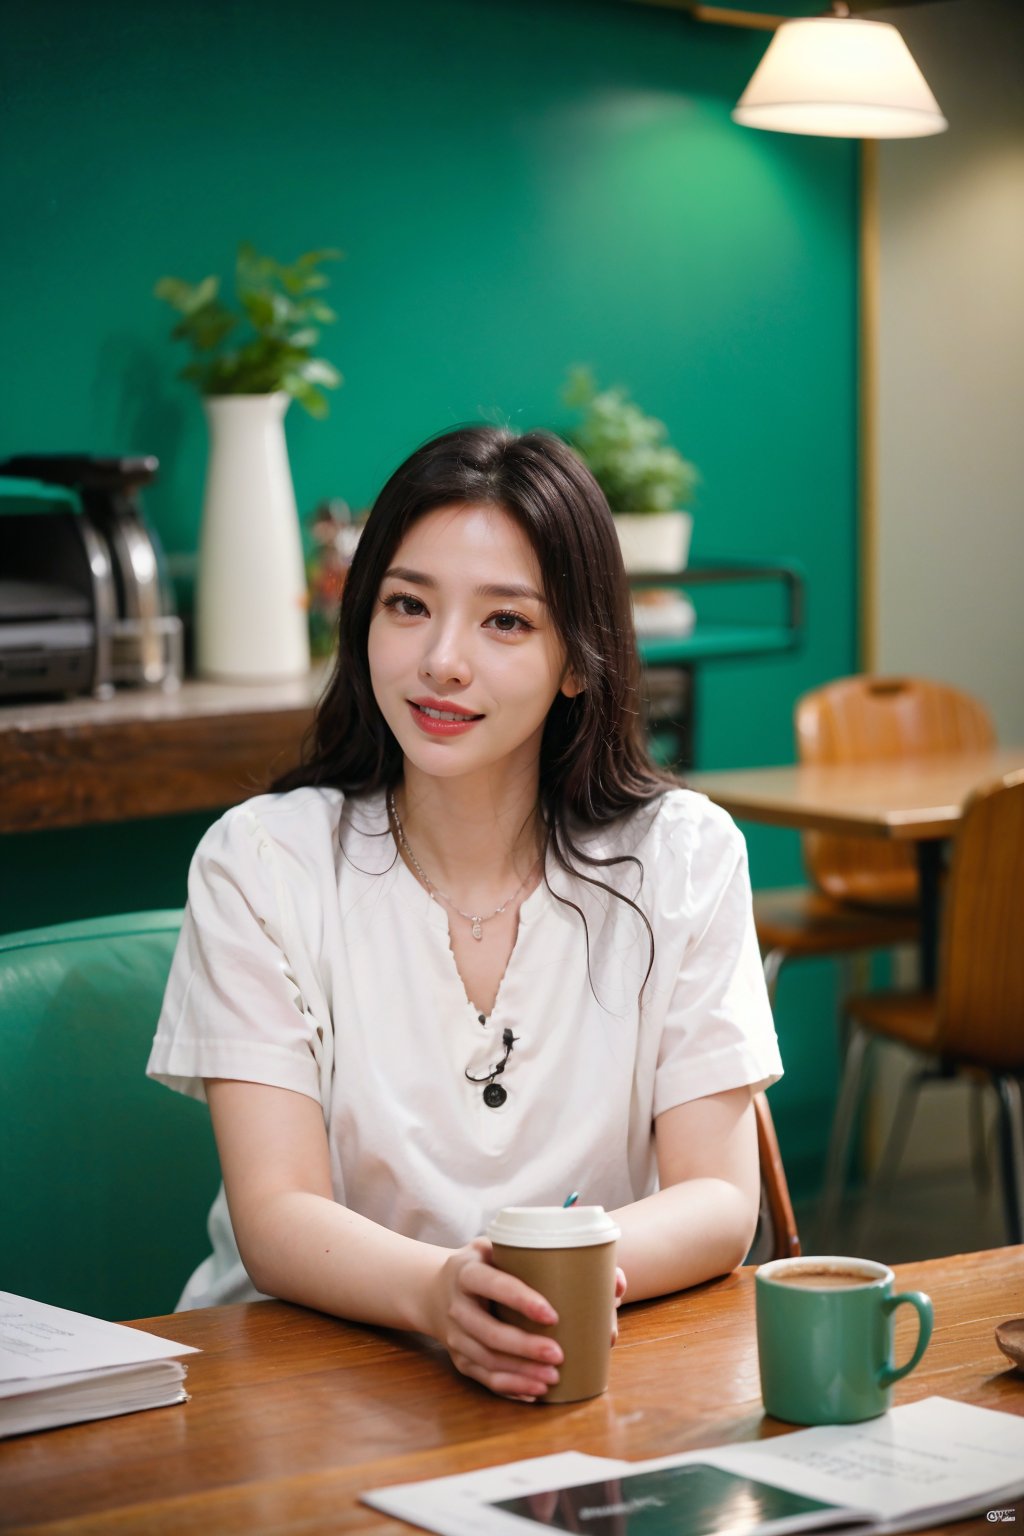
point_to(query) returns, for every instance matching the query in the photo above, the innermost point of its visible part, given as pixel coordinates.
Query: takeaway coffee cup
(824, 1338)
(568, 1255)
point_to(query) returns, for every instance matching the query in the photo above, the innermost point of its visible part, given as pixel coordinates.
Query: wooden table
(917, 800)
(294, 1414)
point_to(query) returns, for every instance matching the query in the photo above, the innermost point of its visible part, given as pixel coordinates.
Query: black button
(494, 1095)
(482, 1017)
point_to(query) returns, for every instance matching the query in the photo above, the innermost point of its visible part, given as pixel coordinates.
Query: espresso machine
(85, 603)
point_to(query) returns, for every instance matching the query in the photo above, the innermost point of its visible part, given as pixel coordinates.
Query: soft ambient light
(841, 78)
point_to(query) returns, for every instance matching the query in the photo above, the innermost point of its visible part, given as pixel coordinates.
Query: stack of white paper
(59, 1367)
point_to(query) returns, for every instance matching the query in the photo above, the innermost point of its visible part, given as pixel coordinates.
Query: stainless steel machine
(85, 603)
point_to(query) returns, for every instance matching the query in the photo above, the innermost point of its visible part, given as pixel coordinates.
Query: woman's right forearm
(296, 1241)
(307, 1249)
(299, 1243)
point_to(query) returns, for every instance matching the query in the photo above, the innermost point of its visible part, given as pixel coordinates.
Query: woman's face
(460, 628)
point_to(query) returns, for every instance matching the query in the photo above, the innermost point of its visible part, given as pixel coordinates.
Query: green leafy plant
(626, 451)
(267, 343)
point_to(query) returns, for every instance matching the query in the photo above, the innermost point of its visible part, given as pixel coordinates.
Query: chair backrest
(106, 1178)
(869, 719)
(981, 979)
(776, 1236)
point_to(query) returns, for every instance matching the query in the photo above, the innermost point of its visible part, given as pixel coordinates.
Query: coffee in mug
(822, 1279)
(824, 1338)
(567, 1254)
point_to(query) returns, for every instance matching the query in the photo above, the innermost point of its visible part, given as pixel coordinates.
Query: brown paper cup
(575, 1272)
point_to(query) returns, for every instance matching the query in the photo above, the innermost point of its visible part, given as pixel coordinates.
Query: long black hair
(594, 763)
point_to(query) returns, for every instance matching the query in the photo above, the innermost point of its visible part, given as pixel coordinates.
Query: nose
(445, 660)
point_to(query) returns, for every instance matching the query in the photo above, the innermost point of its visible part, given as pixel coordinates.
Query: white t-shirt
(312, 959)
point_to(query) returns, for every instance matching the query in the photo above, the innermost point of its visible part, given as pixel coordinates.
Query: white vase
(654, 541)
(251, 621)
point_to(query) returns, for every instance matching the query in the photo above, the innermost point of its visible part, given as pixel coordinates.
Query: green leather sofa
(106, 1178)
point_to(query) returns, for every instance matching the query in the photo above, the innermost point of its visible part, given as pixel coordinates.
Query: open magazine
(925, 1464)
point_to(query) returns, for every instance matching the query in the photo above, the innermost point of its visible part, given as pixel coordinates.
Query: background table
(293, 1414)
(917, 800)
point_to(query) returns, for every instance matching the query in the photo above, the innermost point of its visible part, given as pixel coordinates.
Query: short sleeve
(233, 1006)
(718, 1031)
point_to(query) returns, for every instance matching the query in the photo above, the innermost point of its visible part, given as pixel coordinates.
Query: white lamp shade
(842, 78)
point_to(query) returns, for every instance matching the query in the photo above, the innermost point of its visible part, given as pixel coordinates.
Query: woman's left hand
(620, 1291)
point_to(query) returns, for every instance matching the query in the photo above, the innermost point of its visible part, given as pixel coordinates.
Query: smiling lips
(440, 719)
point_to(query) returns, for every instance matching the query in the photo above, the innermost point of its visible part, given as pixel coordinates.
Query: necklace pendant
(477, 931)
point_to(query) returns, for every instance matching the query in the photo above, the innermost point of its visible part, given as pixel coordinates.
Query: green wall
(518, 186)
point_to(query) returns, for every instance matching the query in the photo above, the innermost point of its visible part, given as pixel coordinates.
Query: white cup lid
(552, 1226)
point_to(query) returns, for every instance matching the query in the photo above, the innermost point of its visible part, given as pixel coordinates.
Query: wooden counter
(145, 752)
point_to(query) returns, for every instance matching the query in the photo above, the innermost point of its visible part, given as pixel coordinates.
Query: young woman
(477, 951)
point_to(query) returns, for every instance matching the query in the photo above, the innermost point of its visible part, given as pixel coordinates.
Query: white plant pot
(654, 541)
(251, 621)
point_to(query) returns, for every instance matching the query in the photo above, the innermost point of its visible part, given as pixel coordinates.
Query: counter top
(147, 752)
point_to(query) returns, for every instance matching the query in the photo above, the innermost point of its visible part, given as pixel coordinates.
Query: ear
(570, 687)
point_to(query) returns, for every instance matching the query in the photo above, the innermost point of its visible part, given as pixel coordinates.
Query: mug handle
(922, 1304)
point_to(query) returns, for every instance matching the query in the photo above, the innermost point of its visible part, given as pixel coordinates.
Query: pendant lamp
(839, 77)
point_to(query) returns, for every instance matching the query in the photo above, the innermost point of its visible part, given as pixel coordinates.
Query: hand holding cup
(503, 1356)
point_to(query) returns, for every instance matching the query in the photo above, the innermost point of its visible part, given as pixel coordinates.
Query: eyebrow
(491, 589)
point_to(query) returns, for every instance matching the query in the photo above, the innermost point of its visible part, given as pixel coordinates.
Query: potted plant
(248, 363)
(647, 482)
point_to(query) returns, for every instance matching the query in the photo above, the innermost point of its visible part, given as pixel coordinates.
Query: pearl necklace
(476, 918)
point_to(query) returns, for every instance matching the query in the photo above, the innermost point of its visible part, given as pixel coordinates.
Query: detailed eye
(509, 623)
(404, 603)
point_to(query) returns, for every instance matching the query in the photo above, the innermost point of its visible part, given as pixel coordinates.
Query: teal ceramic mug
(824, 1338)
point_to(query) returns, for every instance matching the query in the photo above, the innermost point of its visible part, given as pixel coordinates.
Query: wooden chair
(878, 719)
(863, 890)
(777, 1236)
(974, 1021)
